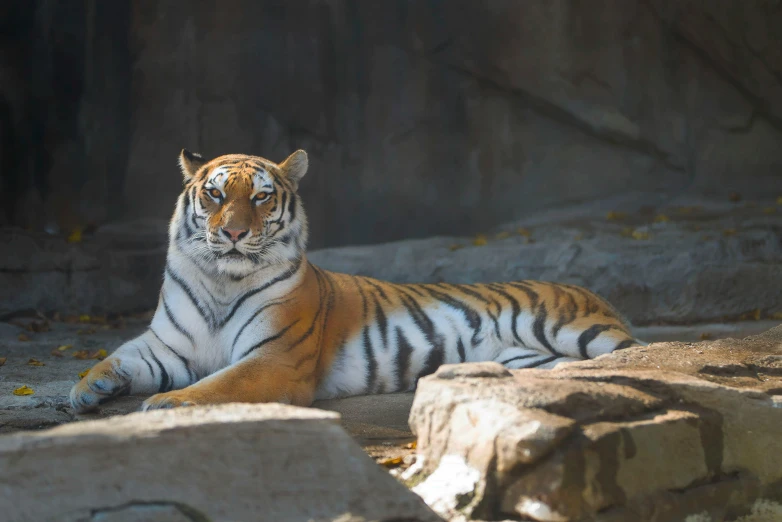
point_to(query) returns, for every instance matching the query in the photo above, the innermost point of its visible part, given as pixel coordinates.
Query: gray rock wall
(425, 118)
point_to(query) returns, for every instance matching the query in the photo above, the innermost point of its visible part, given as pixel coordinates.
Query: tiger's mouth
(232, 254)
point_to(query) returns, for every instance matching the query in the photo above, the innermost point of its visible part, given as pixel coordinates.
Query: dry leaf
(640, 235)
(2, 360)
(86, 331)
(769, 210)
(480, 240)
(775, 315)
(56, 353)
(81, 354)
(627, 232)
(23, 337)
(100, 354)
(452, 248)
(37, 326)
(411, 445)
(84, 318)
(661, 218)
(24, 390)
(64, 347)
(83, 374)
(502, 235)
(729, 232)
(75, 236)
(615, 216)
(523, 232)
(705, 336)
(734, 197)
(752, 315)
(392, 462)
(34, 362)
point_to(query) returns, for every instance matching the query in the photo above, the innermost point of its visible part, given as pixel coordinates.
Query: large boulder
(233, 462)
(646, 434)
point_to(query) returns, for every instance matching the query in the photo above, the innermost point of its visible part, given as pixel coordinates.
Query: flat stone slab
(230, 462)
(663, 432)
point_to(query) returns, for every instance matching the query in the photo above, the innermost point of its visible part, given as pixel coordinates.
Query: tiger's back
(398, 333)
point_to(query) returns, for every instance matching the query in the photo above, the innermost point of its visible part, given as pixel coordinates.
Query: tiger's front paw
(105, 380)
(172, 399)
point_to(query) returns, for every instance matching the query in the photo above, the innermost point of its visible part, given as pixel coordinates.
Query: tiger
(243, 316)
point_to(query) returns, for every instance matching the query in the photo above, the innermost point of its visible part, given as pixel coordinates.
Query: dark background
(421, 117)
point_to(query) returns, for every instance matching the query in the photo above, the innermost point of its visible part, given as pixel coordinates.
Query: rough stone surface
(230, 462)
(646, 434)
(117, 270)
(468, 113)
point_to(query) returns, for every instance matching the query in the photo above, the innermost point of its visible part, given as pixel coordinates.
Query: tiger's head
(240, 213)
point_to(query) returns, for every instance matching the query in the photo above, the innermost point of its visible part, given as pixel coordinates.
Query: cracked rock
(661, 432)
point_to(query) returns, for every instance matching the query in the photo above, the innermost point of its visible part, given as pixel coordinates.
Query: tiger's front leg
(256, 378)
(142, 366)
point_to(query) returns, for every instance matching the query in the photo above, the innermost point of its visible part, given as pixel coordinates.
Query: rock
(661, 432)
(115, 272)
(229, 462)
(477, 112)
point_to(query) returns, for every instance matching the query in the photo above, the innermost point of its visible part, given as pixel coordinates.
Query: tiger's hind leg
(516, 357)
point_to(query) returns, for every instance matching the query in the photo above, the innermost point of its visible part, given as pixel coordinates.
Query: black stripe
(182, 358)
(165, 380)
(542, 362)
(627, 343)
(282, 277)
(292, 207)
(424, 323)
(311, 329)
(174, 322)
(571, 312)
(530, 293)
(141, 356)
(382, 322)
(376, 287)
(371, 362)
(208, 317)
(465, 289)
(515, 308)
(433, 361)
(253, 316)
(588, 335)
(520, 357)
(460, 349)
(269, 339)
(415, 289)
(539, 329)
(473, 318)
(402, 360)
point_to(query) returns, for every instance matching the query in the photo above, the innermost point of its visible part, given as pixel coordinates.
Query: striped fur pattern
(244, 317)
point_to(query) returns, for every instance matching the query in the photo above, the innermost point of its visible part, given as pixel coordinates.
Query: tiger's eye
(216, 193)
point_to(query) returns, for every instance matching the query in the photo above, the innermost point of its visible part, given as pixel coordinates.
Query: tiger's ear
(295, 167)
(190, 162)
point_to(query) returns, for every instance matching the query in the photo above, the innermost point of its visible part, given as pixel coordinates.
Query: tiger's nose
(234, 234)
